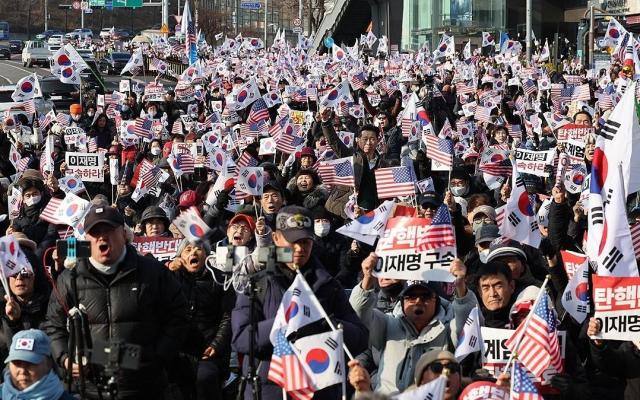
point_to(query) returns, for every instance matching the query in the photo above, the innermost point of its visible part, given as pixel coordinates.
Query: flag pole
(5, 285)
(541, 293)
(322, 311)
(284, 394)
(344, 378)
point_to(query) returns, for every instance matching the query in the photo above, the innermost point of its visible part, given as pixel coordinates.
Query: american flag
(581, 93)
(522, 387)
(312, 93)
(258, 112)
(142, 127)
(440, 150)
(440, 233)
(357, 80)
(150, 174)
(278, 128)
(50, 211)
(483, 114)
(622, 47)
(515, 131)
(530, 87)
(176, 129)
(299, 95)
(605, 102)
(287, 143)
(46, 119)
(337, 172)
(394, 182)
(183, 163)
(246, 160)
(463, 88)
(92, 144)
(497, 168)
(635, 238)
(29, 106)
(190, 42)
(538, 346)
(62, 119)
(287, 372)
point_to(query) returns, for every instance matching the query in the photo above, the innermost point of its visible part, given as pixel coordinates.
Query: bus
(4, 30)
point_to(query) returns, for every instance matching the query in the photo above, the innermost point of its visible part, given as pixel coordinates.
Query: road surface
(11, 71)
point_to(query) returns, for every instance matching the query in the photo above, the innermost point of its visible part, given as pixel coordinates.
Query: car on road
(5, 52)
(47, 34)
(105, 33)
(35, 52)
(113, 63)
(62, 95)
(121, 34)
(80, 34)
(43, 106)
(15, 46)
(55, 40)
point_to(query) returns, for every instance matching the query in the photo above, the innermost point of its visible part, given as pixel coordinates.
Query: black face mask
(392, 291)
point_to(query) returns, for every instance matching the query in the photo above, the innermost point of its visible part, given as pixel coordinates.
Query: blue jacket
(271, 287)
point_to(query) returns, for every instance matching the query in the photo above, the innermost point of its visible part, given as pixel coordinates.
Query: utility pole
(165, 14)
(528, 35)
(266, 9)
(592, 17)
(46, 15)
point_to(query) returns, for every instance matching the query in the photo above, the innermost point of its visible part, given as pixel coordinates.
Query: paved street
(12, 70)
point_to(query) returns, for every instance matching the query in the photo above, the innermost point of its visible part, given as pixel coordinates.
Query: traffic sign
(84, 5)
(76, 5)
(134, 3)
(96, 3)
(164, 29)
(119, 3)
(250, 5)
(89, 10)
(297, 22)
(296, 29)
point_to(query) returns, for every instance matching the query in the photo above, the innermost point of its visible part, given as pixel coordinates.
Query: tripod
(252, 377)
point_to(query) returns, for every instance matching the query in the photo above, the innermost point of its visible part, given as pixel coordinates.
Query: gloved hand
(222, 201)
(561, 382)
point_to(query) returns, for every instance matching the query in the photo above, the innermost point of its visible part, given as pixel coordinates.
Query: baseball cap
(31, 345)
(188, 199)
(506, 248)
(295, 223)
(430, 198)
(243, 218)
(416, 285)
(98, 215)
(487, 233)
(486, 210)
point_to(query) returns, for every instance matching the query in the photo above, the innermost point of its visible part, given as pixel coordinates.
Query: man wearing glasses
(423, 321)
(432, 364)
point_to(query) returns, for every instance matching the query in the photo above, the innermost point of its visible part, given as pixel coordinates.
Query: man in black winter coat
(295, 231)
(127, 297)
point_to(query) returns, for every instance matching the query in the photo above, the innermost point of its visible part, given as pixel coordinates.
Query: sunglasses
(436, 367)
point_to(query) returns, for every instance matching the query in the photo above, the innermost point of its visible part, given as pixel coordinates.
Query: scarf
(48, 387)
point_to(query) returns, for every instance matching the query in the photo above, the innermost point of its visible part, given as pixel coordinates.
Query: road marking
(7, 79)
(22, 68)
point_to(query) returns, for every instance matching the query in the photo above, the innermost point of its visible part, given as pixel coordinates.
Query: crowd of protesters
(197, 331)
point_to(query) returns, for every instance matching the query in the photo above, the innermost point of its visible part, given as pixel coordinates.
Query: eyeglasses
(486, 220)
(423, 297)
(436, 367)
(24, 275)
(239, 227)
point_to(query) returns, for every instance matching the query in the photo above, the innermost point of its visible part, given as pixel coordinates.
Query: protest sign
(496, 354)
(86, 166)
(405, 251)
(483, 390)
(617, 307)
(575, 132)
(571, 261)
(575, 150)
(533, 162)
(163, 249)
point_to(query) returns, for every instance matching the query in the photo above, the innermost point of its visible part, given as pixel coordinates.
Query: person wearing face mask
(479, 255)
(334, 249)
(34, 199)
(155, 150)
(129, 108)
(204, 358)
(78, 119)
(103, 130)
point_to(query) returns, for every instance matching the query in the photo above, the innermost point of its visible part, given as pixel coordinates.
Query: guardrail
(175, 66)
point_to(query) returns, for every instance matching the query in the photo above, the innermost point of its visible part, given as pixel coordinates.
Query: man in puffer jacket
(421, 322)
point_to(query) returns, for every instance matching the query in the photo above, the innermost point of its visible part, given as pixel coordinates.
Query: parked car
(6, 102)
(5, 52)
(80, 34)
(35, 52)
(47, 34)
(15, 46)
(113, 63)
(55, 40)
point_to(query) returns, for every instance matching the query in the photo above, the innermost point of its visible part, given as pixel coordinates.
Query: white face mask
(459, 190)
(484, 255)
(321, 229)
(33, 200)
(156, 151)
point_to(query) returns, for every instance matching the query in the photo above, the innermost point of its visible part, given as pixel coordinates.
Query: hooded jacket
(396, 337)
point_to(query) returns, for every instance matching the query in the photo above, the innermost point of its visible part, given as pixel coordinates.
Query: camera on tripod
(116, 354)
